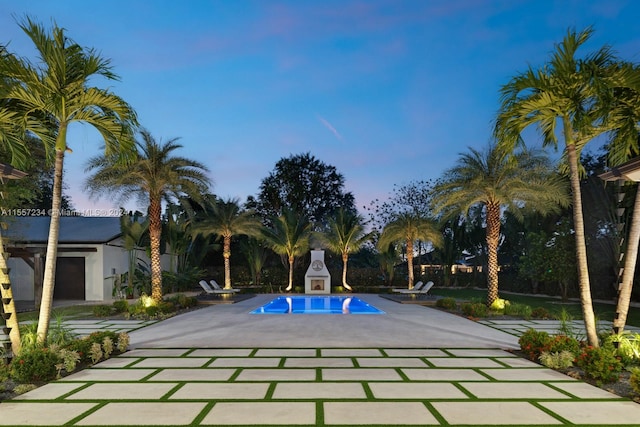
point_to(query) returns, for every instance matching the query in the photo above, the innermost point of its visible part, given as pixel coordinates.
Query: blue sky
(386, 91)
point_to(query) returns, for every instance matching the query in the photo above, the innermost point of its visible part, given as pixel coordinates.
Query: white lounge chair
(415, 290)
(220, 290)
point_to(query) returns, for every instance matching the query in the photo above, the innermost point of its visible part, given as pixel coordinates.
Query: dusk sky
(386, 91)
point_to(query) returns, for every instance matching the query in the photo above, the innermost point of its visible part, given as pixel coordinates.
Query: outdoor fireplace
(317, 280)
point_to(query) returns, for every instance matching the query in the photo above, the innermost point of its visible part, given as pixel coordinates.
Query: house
(90, 256)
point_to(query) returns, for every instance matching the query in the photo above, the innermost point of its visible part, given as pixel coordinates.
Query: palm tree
(497, 181)
(408, 228)
(288, 235)
(155, 175)
(226, 219)
(346, 235)
(565, 97)
(48, 97)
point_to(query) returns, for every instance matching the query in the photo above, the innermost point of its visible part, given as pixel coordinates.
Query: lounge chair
(415, 290)
(426, 288)
(220, 290)
(212, 290)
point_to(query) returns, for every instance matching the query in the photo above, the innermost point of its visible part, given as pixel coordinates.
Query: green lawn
(553, 305)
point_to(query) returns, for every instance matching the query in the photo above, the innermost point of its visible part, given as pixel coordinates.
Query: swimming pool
(317, 305)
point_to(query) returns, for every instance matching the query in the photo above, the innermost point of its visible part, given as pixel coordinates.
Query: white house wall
(21, 276)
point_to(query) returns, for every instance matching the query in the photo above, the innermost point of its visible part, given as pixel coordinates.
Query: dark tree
(305, 185)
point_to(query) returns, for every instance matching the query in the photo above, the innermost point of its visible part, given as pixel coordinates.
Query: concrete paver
(277, 375)
(261, 362)
(318, 362)
(123, 391)
(493, 413)
(324, 390)
(32, 413)
(404, 362)
(420, 391)
(463, 362)
(221, 391)
(172, 362)
(491, 390)
(360, 374)
(144, 413)
(605, 413)
(443, 375)
(262, 413)
(193, 375)
(378, 413)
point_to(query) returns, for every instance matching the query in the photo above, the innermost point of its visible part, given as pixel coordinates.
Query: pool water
(317, 305)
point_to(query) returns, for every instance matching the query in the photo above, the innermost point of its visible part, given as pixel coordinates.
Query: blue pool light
(317, 305)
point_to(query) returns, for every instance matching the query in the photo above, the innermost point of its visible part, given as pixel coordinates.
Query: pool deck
(414, 365)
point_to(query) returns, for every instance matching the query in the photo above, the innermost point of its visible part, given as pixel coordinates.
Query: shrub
(558, 359)
(95, 352)
(541, 313)
(634, 380)
(81, 346)
(447, 303)
(183, 301)
(123, 342)
(533, 342)
(166, 307)
(559, 343)
(628, 346)
(474, 309)
(103, 310)
(107, 347)
(600, 364)
(121, 306)
(34, 365)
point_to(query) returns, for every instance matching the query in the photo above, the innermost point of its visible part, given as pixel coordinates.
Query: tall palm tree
(226, 219)
(49, 96)
(346, 235)
(408, 227)
(566, 98)
(288, 235)
(156, 174)
(497, 181)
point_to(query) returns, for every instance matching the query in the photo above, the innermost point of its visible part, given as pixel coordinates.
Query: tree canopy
(306, 185)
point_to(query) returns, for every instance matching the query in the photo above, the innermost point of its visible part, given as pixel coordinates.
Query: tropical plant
(48, 97)
(155, 175)
(135, 231)
(497, 180)
(225, 219)
(568, 99)
(346, 234)
(256, 256)
(288, 236)
(408, 228)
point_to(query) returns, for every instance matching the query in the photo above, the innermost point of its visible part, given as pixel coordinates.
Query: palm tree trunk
(8, 304)
(226, 254)
(155, 231)
(48, 282)
(493, 238)
(345, 260)
(581, 245)
(410, 262)
(630, 258)
(291, 259)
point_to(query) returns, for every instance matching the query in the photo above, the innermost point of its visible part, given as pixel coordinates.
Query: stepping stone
(286, 352)
(420, 391)
(360, 374)
(258, 362)
(144, 413)
(262, 413)
(491, 390)
(339, 352)
(318, 362)
(172, 362)
(109, 374)
(606, 413)
(464, 362)
(123, 391)
(29, 414)
(443, 375)
(319, 391)
(49, 391)
(378, 413)
(205, 374)
(411, 352)
(277, 375)
(391, 362)
(493, 413)
(220, 352)
(221, 391)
